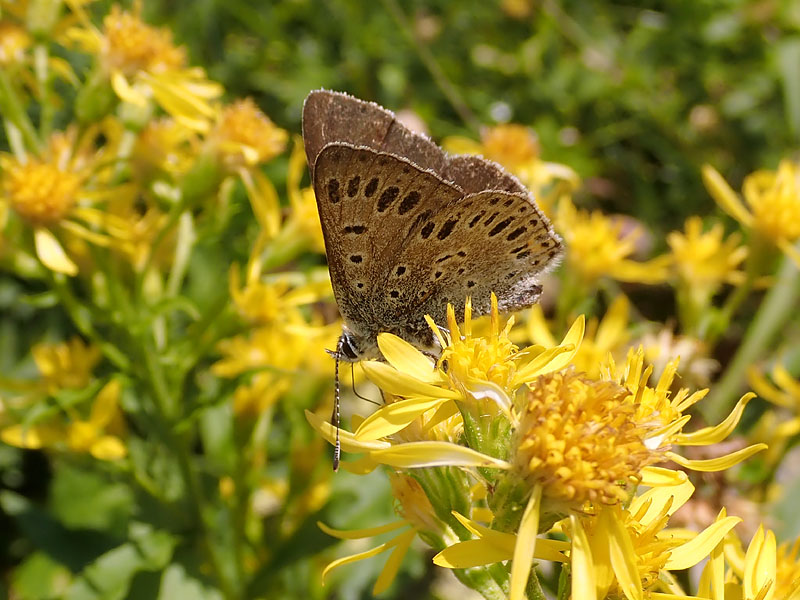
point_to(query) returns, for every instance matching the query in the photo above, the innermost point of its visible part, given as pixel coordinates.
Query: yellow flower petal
(106, 405)
(52, 255)
(760, 565)
(659, 476)
(584, 585)
(357, 534)
(727, 199)
(624, 560)
(264, 200)
(406, 358)
(396, 382)
(692, 552)
(434, 454)
(766, 390)
(656, 498)
(786, 381)
(126, 92)
(389, 571)
(537, 329)
(362, 466)
(472, 553)
(525, 546)
(108, 447)
(346, 560)
(393, 417)
(789, 250)
(712, 435)
(347, 440)
(717, 464)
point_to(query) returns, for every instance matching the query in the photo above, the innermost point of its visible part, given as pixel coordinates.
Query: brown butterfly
(409, 228)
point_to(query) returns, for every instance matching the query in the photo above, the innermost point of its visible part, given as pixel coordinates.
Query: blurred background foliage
(634, 96)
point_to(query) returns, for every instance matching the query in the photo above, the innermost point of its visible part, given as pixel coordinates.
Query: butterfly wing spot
(545, 244)
(461, 271)
(461, 253)
(476, 218)
(518, 249)
(488, 221)
(516, 233)
(508, 202)
(333, 191)
(446, 228)
(444, 258)
(388, 196)
(352, 186)
(400, 270)
(494, 201)
(394, 294)
(354, 229)
(409, 202)
(356, 258)
(426, 231)
(470, 284)
(523, 254)
(437, 274)
(500, 226)
(372, 186)
(534, 222)
(512, 274)
(359, 285)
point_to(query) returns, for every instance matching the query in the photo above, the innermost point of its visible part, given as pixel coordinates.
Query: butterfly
(409, 228)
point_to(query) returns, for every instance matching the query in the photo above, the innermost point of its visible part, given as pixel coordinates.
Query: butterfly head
(353, 347)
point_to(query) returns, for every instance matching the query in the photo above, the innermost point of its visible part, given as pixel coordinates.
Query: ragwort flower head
(598, 246)
(703, 260)
(14, 42)
(245, 136)
(579, 440)
(130, 45)
(774, 201)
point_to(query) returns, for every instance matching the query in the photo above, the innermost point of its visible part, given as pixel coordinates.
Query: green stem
(13, 111)
(779, 305)
(166, 408)
(41, 63)
(429, 62)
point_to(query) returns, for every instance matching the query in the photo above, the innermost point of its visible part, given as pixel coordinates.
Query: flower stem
(778, 306)
(14, 113)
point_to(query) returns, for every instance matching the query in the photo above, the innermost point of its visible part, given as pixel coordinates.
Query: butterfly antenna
(337, 448)
(353, 380)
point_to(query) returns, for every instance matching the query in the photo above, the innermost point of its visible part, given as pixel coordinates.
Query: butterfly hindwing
(490, 241)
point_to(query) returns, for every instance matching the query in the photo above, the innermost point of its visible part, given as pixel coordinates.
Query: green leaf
(109, 577)
(788, 51)
(39, 576)
(177, 584)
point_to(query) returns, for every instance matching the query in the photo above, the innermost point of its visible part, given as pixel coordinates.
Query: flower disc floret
(40, 192)
(578, 440)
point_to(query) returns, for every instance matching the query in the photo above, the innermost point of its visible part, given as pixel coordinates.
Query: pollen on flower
(245, 133)
(40, 192)
(484, 358)
(14, 41)
(578, 439)
(131, 45)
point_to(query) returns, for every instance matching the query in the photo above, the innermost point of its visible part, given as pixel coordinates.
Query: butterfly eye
(347, 347)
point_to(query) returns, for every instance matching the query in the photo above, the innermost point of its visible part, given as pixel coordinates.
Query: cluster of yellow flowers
(552, 452)
(563, 440)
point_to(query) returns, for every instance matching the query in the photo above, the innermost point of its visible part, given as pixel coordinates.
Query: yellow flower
(614, 551)
(304, 217)
(483, 372)
(777, 427)
(65, 364)
(517, 149)
(598, 246)
(704, 261)
(417, 516)
(773, 198)
(143, 63)
(14, 42)
(578, 439)
(90, 436)
(609, 335)
(52, 193)
(164, 146)
(661, 346)
(753, 574)
(245, 136)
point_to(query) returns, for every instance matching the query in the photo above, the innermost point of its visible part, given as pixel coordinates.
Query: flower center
(40, 193)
